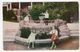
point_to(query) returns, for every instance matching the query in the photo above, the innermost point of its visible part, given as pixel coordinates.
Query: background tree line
(62, 10)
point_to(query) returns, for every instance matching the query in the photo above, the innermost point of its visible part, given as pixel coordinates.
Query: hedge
(9, 15)
(25, 32)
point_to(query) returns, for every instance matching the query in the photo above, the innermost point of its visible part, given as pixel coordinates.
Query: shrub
(5, 14)
(25, 32)
(36, 11)
(23, 14)
(42, 36)
(9, 15)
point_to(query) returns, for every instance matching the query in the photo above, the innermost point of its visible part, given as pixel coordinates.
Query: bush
(66, 16)
(25, 32)
(42, 36)
(5, 14)
(36, 11)
(9, 15)
(61, 10)
(23, 14)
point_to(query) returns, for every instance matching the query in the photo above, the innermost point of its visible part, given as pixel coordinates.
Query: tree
(62, 10)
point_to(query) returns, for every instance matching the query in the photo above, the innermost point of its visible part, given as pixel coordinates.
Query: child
(54, 37)
(46, 14)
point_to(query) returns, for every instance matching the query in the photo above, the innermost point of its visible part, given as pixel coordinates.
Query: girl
(54, 37)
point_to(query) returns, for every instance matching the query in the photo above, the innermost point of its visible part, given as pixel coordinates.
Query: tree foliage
(62, 10)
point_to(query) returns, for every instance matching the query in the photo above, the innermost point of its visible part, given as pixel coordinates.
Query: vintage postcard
(40, 25)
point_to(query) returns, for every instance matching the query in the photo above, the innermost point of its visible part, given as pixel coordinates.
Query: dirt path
(69, 44)
(9, 30)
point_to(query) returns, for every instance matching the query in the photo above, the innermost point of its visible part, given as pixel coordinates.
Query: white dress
(31, 38)
(54, 31)
(26, 18)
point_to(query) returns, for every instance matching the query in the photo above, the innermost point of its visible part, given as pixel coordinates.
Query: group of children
(60, 29)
